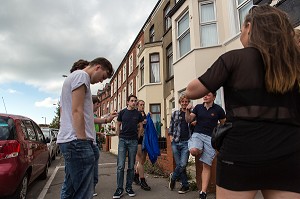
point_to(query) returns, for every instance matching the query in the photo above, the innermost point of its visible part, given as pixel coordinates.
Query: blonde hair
(182, 97)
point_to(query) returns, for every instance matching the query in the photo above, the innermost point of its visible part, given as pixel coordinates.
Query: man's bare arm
(118, 125)
(78, 111)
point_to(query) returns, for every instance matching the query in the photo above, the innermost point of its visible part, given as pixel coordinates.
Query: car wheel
(21, 191)
(44, 175)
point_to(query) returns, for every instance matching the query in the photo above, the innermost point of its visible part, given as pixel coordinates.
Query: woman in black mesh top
(262, 99)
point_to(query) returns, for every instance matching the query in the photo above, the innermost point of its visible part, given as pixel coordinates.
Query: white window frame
(115, 103)
(124, 73)
(152, 34)
(119, 79)
(130, 90)
(183, 34)
(167, 20)
(142, 72)
(111, 106)
(240, 6)
(208, 23)
(115, 84)
(138, 50)
(124, 97)
(131, 63)
(112, 89)
(169, 59)
(119, 101)
(156, 79)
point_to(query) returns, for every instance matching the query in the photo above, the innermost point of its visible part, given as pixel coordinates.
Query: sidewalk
(107, 183)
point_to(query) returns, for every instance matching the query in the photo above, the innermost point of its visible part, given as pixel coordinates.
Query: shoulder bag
(218, 135)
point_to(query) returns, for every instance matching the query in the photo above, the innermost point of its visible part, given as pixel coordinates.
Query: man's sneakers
(171, 182)
(183, 190)
(118, 193)
(202, 195)
(130, 192)
(95, 194)
(144, 185)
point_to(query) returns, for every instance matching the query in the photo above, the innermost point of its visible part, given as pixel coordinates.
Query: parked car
(51, 137)
(24, 155)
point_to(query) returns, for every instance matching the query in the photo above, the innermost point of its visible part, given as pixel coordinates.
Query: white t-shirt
(66, 130)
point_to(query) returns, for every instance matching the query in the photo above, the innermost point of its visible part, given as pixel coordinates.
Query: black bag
(218, 135)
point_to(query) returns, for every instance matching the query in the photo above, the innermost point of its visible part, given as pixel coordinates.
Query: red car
(24, 155)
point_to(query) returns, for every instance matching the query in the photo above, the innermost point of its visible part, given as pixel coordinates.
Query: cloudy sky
(41, 39)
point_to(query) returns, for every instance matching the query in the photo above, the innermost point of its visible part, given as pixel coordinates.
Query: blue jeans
(79, 169)
(181, 155)
(97, 155)
(123, 147)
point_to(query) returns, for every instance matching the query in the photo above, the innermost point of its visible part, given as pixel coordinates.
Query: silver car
(51, 137)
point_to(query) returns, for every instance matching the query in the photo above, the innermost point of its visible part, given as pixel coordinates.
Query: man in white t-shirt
(76, 133)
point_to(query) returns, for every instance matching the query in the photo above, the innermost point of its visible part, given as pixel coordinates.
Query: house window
(156, 117)
(130, 87)
(183, 34)
(119, 79)
(124, 96)
(124, 72)
(136, 84)
(138, 50)
(112, 89)
(115, 103)
(154, 68)
(167, 19)
(151, 34)
(119, 101)
(115, 85)
(130, 63)
(170, 61)
(142, 70)
(243, 7)
(208, 24)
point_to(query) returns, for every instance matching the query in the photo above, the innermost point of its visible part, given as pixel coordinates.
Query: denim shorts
(203, 143)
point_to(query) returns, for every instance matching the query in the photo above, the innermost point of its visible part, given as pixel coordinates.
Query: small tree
(56, 120)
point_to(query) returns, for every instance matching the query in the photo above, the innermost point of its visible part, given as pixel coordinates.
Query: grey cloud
(40, 40)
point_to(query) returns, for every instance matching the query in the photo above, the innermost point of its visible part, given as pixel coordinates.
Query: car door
(42, 149)
(32, 146)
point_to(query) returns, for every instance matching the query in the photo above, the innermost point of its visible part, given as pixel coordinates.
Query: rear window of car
(7, 128)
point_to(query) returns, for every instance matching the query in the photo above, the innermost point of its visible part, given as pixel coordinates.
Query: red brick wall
(166, 160)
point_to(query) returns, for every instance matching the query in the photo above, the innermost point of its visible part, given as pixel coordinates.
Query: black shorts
(280, 174)
(140, 140)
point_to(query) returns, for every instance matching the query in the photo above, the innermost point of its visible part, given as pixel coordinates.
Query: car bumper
(10, 177)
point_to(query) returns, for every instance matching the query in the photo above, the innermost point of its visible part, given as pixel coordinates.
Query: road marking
(46, 187)
(48, 184)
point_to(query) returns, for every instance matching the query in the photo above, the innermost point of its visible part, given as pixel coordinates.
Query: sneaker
(183, 190)
(130, 192)
(136, 179)
(171, 182)
(144, 185)
(118, 193)
(95, 194)
(202, 195)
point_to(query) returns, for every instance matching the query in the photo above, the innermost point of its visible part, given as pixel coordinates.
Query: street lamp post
(45, 120)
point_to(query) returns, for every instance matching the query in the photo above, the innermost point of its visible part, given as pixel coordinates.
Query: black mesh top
(241, 73)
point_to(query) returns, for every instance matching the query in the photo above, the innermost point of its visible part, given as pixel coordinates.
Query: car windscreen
(7, 128)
